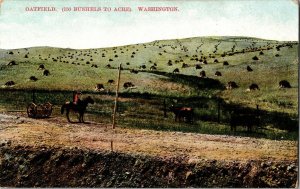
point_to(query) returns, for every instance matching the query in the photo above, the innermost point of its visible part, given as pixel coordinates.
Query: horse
(80, 107)
(185, 114)
(246, 120)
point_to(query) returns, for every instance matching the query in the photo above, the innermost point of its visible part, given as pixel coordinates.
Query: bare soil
(53, 152)
(57, 132)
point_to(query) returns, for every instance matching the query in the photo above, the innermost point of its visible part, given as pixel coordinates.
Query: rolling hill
(82, 69)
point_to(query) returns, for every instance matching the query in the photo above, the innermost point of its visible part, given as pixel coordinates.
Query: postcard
(149, 93)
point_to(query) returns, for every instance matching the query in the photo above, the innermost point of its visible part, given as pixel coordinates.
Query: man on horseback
(79, 107)
(76, 96)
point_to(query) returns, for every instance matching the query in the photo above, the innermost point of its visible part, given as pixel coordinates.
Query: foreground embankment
(72, 167)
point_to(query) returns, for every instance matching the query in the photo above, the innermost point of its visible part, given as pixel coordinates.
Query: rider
(76, 96)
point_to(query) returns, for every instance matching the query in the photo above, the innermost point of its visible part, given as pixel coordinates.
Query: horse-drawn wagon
(39, 110)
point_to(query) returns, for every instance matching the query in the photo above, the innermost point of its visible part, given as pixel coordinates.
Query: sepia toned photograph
(149, 93)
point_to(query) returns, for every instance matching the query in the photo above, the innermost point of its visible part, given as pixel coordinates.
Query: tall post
(116, 99)
(112, 145)
(257, 115)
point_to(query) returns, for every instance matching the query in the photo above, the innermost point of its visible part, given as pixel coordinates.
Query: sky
(267, 19)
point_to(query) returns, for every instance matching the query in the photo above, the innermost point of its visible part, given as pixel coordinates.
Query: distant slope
(82, 69)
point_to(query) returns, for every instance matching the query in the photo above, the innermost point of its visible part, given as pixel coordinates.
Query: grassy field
(82, 69)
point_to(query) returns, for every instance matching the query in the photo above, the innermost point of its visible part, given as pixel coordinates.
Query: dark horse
(185, 114)
(80, 107)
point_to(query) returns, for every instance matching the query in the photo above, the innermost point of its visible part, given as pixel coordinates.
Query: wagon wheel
(40, 110)
(32, 110)
(48, 108)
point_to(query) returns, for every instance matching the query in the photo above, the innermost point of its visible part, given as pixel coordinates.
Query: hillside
(150, 66)
(74, 69)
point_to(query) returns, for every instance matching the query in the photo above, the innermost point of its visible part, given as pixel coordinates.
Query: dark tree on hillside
(202, 73)
(46, 72)
(225, 63)
(218, 73)
(198, 66)
(176, 70)
(249, 69)
(12, 63)
(184, 65)
(284, 84)
(33, 78)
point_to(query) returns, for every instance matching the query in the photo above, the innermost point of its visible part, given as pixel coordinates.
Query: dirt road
(57, 132)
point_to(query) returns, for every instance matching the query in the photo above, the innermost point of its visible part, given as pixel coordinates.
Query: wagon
(40, 110)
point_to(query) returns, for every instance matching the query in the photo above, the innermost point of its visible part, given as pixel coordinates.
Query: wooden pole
(112, 145)
(257, 115)
(116, 99)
